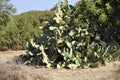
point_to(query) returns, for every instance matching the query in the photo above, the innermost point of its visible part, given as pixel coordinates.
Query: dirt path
(12, 71)
(9, 55)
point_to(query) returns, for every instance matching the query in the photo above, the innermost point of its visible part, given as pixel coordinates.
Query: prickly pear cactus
(66, 42)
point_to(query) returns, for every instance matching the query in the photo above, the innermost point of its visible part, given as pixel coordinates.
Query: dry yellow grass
(9, 70)
(17, 72)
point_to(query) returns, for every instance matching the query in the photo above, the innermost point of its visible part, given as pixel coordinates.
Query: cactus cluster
(66, 42)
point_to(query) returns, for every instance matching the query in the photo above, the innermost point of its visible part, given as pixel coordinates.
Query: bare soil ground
(9, 70)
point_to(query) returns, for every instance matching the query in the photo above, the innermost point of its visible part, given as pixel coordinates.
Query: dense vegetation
(15, 34)
(84, 35)
(6, 10)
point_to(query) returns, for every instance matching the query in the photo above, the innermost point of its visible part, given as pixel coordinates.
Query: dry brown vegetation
(9, 70)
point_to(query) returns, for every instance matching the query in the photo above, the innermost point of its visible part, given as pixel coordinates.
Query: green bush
(70, 40)
(103, 18)
(21, 28)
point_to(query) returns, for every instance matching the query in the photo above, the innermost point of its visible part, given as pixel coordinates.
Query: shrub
(67, 41)
(22, 28)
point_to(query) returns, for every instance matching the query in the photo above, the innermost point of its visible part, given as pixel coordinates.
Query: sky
(28, 5)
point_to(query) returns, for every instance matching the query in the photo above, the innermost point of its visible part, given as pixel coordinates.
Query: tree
(6, 10)
(102, 17)
(103, 20)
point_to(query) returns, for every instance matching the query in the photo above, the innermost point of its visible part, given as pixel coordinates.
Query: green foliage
(35, 18)
(71, 39)
(103, 19)
(103, 16)
(21, 28)
(6, 9)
